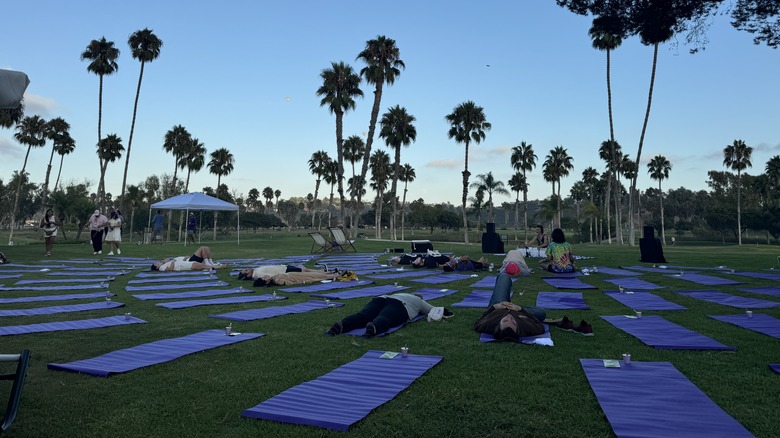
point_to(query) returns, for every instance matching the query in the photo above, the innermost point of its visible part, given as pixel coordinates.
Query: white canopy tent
(12, 86)
(197, 201)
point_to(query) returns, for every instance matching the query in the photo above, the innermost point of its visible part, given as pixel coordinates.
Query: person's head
(114, 215)
(155, 266)
(430, 263)
(265, 280)
(394, 260)
(245, 274)
(97, 213)
(418, 262)
(540, 229)
(119, 213)
(558, 236)
(158, 212)
(507, 329)
(192, 214)
(49, 212)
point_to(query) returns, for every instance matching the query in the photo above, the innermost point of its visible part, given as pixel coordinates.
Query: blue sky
(227, 69)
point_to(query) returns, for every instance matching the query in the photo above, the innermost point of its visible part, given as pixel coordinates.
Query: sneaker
(118, 251)
(448, 313)
(94, 253)
(565, 324)
(111, 253)
(334, 330)
(584, 329)
(100, 252)
(370, 329)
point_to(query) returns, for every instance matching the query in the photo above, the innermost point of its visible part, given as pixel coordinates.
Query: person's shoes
(370, 329)
(334, 330)
(565, 324)
(584, 329)
(100, 252)
(94, 253)
(111, 253)
(48, 254)
(325, 267)
(448, 313)
(118, 251)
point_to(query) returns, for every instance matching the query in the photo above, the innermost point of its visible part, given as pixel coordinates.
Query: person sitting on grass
(384, 312)
(559, 256)
(199, 261)
(271, 270)
(310, 276)
(535, 246)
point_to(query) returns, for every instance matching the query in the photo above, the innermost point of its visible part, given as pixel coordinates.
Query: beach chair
(319, 244)
(22, 360)
(340, 238)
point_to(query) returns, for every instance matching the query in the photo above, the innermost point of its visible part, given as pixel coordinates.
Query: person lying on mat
(505, 320)
(198, 261)
(464, 263)
(386, 311)
(559, 255)
(514, 264)
(292, 278)
(430, 261)
(271, 270)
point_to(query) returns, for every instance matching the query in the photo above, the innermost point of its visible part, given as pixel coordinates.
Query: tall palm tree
(177, 142)
(487, 183)
(109, 150)
(31, 131)
(251, 198)
(317, 166)
(397, 130)
(145, 47)
(605, 37)
(64, 146)
(518, 184)
(524, 159)
(340, 87)
(277, 194)
(406, 175)
(102, 56)
(383, 66)
(467, 123)
(477, 204)
(331, 177)
(611, 152)
(380, 174)
(590, 177)
(221, 163)
(659, 168)
(736, 156)
(354, 148)
(559, 164)
(194, 158)
(268, 195)
(357, 189)
(773, 172)
(58, 131)
(133, 199)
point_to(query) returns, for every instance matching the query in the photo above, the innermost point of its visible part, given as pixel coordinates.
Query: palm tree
(524, 159)
(559, 164)
(467, 124)
(134, 199)
(517, 184)
(397, 130)
(317, 166)
(268, 195)
(64, 146)
(340, 86)
(487, 183)
(32, 132)
(357, 189)
(102, 55)
(477, 204)
(145, 47)
(11, 116)
(277, 194)
(736, 156)
(405, 175)
(177, 142)
(108, 150)
(193, 159)
(380, 173)
(590, 177)
(354, 148)
(251, 199)
(611, 152)
(604, 37)
(383, 65)
(57, 130)
(330, 176)
(773, 172)
(221, 163)
(659, 168)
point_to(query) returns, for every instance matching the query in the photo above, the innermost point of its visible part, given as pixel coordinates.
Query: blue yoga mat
(57, 288)
(567, 283)
(270, 312)
(441, 279)
(430, 293)
(153, 353)
(85, 274)
(489, 281)
(761, 275)
(654, 399)
(665, 335)
(210, 283)
(643, 300)
(184, 274)
(633, 284)
(706, 280)
(361, 331)
(322, 287)
(101, 305)
(658, 270)
(529, 340)
(775, 367)
(82, 324)
(193, 294)
(618, 272)
(63, 281)
(362, 292)
(728, 300)
(180, 280)
(10, 276)
(478, 298)
(404, 274)
(347, 394)
(226, 300)
(759, 322)
(55, 297)
(561, 301)
(763, 290)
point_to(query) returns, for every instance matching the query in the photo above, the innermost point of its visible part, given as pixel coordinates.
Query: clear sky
(243, 75)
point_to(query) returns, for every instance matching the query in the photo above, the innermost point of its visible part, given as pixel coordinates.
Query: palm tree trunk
(314, 202)
(130, 228)
(525, 214)
(618, 231)
(100, 188)
(46, 181)
(403, 211)
(465, 195)
(340, 153)
(16, 198)
(130, 141)
(219, 180)
(393, 189)
(661, 201)
(739, 208)
(59, 172)
(631, 230)
(517, 213)
(610, 182)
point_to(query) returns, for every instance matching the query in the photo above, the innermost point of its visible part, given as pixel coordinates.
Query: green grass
(477, 390)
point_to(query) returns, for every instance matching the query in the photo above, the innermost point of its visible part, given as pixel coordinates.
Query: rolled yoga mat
(659, 333)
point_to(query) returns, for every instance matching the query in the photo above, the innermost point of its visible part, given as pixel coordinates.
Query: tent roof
(195, 201)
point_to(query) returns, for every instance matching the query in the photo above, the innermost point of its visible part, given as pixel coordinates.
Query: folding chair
(320, 244)
(12, 408)
(340, 237)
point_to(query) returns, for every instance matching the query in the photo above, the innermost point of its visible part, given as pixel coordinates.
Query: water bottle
(490, 268)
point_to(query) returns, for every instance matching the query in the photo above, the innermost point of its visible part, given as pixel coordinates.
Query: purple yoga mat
(10, 276)
(763, 290)
(706, 280)
(561, 301)
(82, 324)
(193, 294)
(761, 275)
(55, 297)
(430, 293)
(654, 399)
(728, 300)
(404, 274)
(62, 281)
(643, 300)
(441, 279)
(213, 301)
(361, 331)
(775, 367)
(665, 335)
(101, 305)
(85, 274)
(322, 287)
(347, 394)
(489, 281)
(633, 284)
(664, 270)
(210, 283)
(567, 283)
(180, 280)
(270, 312)
(619, 272)
(759, 322)
(57, 288)
(153, 353)
(478, 298)
(529, 340)
(184, 274)
(362, 292)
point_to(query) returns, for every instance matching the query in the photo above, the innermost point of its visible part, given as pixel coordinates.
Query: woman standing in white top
(114, 235)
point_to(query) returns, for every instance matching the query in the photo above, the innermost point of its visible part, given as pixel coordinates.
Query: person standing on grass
(49, 225)
(157, 226)
(114, 235)
(192, 227)
(96, 223)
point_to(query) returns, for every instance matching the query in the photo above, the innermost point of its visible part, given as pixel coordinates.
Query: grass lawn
(495, 389)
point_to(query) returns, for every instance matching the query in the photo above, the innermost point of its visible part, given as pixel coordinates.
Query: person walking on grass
(114, 235)
(97, 223)
(49, 226)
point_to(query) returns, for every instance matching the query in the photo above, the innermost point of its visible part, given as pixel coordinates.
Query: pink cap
(512, 269)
